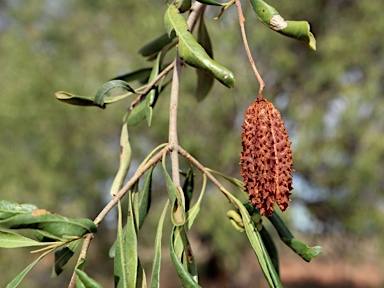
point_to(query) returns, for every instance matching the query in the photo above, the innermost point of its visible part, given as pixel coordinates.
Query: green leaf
(150, 99)
(77, 100)
(155, 45)
(121, 258)
(13, 240)
(271, 247)
(155, 278)
(299, 30)
(44, 236)
(211, 2)
(204, 79)
(9, 209)
(188, 188)
(83, 280)
(132, 264)
(52, 223)
(62, 257)
(125, 161)
(186, 278)
(17, 280)
(137, 114)
(144, 198)
(176, 199)
(303, 250)
(141, 75)
(106, 90)
(191, 51)
(194, 211)
(183, 5)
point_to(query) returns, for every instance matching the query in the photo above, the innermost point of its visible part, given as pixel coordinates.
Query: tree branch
(246, 46)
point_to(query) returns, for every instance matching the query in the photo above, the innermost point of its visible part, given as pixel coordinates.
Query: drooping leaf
(176, 199)
(125, 161)
(145, 198)
(52, 223)
(17, 280)
(299, 30)
(44, 236)
(141, 75)
(77, 100)
(106, 90)
(62, 257)
(204, 79)
(188, 188)
(186, 278)
(13, 240)
(121, 258)
(194, 211)
(137, 114)
(300, 248)
(155, 277)
(155, 45)
(132, 264)
(9, 209)
(271, 247)
(150, 99)
(191, 51)
(83, 280)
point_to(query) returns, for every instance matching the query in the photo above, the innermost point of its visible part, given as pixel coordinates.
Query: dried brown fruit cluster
(266, 160)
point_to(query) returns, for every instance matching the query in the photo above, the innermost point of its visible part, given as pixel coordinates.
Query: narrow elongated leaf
(9, 209)
(176, 199)
(83, 280)
(186, 278)
(78, 100)
(213, 3)
(17, 280)
(141, 75)
(188, 188)
(125, 161)
(62, 257)
(106, 90)
(155, 45)
(131, 244)
(191, 51)
(155, 278)
(121, 259)
(302, 249)
(53, 223)
(13, 240)
(44, 236)
(145, 198)
(150, 99)
(137, 114)
(204, 79)
(194, 211)
(271, 248)
(299, 30)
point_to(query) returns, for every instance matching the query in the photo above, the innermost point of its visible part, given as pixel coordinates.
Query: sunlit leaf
(52, 223)
(131, 245)
(150, 99)
(121, 258)
(191, 51)
(213, 3)
(17, 280)
(83, 280)
(13, 240)
(194, 211)
(186, 278)
(155, 278)
(176, 199)
(125, 161)
(9, 209)
(299, 30)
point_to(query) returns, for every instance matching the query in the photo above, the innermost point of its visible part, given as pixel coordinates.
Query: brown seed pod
(266, 160)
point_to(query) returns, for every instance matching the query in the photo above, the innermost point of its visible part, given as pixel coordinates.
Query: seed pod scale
(266, 159)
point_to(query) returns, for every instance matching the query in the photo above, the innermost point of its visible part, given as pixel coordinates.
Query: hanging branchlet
(266, 159)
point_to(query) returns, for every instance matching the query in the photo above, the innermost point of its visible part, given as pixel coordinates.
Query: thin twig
(246, 46)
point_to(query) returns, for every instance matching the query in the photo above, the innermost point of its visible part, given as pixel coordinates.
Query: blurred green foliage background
(63, 158)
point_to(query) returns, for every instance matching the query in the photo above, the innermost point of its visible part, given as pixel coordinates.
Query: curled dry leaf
(266, 160)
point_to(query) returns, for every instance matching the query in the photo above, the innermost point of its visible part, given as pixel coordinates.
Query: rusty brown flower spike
(266, 160)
